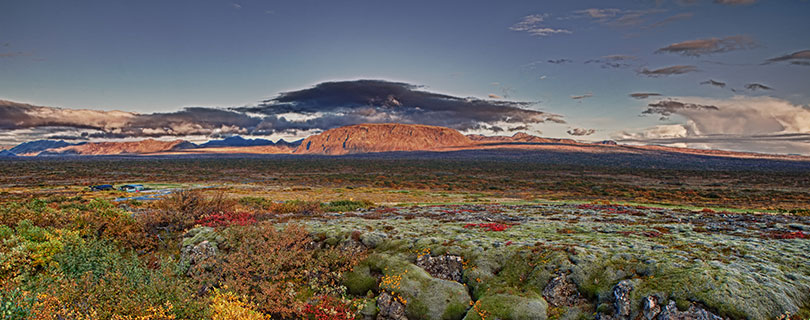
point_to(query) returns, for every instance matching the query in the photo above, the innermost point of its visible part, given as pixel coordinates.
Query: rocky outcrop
(445, 267)
(199, 249)
(390, 308)
(130, 147)
(382, 137)
(671, 312)
(652, 307)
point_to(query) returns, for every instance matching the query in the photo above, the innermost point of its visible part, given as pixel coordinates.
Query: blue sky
(162, 56)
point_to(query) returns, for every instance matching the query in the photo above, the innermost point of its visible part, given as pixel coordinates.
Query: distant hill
(130, 147)
(382, 137)
(237, 141)
(6, 154)
(34, 147)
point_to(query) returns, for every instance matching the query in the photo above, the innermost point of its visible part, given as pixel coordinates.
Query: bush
(278, 269)
(182, 209)
(227, 306)
(124, 290)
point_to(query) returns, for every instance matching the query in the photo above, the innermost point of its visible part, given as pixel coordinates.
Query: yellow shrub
(227, 306)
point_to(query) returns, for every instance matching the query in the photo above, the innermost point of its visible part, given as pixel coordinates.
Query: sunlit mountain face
(724, 75)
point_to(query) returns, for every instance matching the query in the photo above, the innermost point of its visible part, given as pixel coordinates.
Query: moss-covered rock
(508, 307)
(425, 297)
(199, 234)
(359, 281)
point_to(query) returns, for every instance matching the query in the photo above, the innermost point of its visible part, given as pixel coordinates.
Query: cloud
(335, 104)
(800, 63)
(580, 97)
(644, 95)
(494, 96)
(534, 25)
(559, 61)
(735, 2)
(581, 132)
(190, 121)
(667, 107)
(757, 86)
(794, 58)
(762, 124)
(714, 83)
(616, 17)
(236, 5)
(613, 61)
(709, 46)
(667, 71)
(671, 19)
(324, 106)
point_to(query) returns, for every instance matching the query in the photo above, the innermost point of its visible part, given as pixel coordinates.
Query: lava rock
(561, 291)
(445, 267)
(390, 308)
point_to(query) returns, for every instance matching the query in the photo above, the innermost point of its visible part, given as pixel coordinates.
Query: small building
(132, 188)
(101, 187)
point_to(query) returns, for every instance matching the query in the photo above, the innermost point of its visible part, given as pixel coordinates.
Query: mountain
(130, 147)
(382, 137)
(519, 137)
(6, 154)
(34, 147)
(237, 141)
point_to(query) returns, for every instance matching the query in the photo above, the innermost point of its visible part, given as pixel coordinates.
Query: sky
(721, 74)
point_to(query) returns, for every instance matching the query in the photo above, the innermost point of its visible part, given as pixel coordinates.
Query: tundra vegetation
(378, 238)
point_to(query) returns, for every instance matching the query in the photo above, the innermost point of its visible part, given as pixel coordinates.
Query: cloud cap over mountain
(335, 104)
(324, 106)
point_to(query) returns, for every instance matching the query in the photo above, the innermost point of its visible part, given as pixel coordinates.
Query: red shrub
(328, 308)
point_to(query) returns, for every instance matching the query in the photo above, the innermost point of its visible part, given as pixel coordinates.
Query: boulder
(424, 296)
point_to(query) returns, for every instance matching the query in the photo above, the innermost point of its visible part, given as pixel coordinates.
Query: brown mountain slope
(383, 137)
(130, 147)
(517, 137)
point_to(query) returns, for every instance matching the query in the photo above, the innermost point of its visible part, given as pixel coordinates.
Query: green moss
(511, 307)
(360, 281)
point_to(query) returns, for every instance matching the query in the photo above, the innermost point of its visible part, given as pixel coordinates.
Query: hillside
(130, 147)
(385, 137)
(35, 147)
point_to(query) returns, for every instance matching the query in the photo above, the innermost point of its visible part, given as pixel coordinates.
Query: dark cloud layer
(614, 61)
(665, 108)
(673, 70)
(644, 95)
(798, 58)
(757, 86)
(322, 107)
(709, 46)
(714, 83)
(581, 132)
